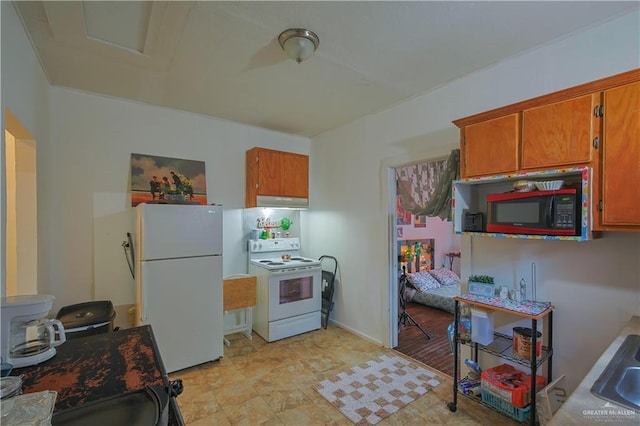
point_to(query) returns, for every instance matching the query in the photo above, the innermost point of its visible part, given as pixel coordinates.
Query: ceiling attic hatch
(120, 24)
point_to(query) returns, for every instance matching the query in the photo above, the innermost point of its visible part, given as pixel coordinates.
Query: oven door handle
(303, 270)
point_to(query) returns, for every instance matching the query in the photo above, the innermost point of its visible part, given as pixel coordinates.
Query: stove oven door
(293, 293)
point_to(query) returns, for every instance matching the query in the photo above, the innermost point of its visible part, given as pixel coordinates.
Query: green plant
(486, 279)
(407, 255)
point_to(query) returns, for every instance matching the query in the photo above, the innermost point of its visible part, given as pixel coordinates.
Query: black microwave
(536, 212)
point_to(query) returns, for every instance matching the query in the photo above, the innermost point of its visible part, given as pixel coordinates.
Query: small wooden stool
(239, 298)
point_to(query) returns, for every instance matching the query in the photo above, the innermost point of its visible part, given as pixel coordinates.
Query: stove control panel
(274, 244)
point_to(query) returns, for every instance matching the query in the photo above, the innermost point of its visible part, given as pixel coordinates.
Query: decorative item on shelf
(481, 285)
(549, 185)
(524, 186)
(285, 223)
(521, 294)
(504, 292)
(406, 256)
(486, 279)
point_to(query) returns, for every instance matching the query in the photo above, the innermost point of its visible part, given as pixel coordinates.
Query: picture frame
(166, 180)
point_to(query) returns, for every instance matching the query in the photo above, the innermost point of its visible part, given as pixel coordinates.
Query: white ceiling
(222, 59)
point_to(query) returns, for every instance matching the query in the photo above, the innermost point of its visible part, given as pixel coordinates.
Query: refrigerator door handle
(143, 314)
(142, 294)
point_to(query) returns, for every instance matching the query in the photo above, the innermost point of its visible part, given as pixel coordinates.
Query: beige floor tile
(234, 394)
(217, 419)
(260, 383)
(288, 399)
(307, 414)
(251, 412)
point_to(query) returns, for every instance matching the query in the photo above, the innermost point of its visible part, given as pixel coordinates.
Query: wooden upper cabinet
(560, 134)
(595, 124)
(275, 174)
(491, 147)
(621, 157)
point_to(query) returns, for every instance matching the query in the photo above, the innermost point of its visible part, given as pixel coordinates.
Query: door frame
(392, 295)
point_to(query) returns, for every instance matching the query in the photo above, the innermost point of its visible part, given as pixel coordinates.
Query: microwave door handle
(549, 212)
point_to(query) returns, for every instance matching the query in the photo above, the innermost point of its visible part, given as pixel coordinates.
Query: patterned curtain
(425, 188)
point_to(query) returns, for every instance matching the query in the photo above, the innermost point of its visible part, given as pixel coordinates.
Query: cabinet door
(621, 156)
(491, 147)
(270, 172)
(283, 174)
(275, 173)
(559, 134)
(296, 175)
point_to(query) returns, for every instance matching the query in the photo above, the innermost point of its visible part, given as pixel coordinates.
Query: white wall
(25, 92)
(85, 182)
(591, 304)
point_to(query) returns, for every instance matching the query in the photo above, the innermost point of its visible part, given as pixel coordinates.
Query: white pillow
(423, 281)
(445, 276)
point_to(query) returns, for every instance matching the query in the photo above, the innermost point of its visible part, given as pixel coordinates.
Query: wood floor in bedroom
(434, 352)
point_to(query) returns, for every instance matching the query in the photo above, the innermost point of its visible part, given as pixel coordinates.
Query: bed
(435, 288)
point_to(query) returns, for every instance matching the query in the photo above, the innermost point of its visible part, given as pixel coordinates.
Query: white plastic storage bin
(481, 326)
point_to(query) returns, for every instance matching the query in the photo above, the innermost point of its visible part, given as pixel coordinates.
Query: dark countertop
(89, 368)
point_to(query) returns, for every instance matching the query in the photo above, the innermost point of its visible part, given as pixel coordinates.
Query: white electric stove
(289, 288)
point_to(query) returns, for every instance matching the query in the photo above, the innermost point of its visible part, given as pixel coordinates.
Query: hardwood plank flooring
(434, 352)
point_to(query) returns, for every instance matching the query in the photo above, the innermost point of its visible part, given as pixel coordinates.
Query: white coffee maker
(28, 337)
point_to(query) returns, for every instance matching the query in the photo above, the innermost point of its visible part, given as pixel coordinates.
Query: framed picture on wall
(165, 180)
(420, 221)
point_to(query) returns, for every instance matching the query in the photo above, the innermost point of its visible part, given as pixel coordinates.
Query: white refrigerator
(179, 281)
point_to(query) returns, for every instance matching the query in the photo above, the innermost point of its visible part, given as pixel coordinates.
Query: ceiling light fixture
(298, 43)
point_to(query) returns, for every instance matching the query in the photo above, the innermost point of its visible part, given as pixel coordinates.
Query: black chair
(328, 287)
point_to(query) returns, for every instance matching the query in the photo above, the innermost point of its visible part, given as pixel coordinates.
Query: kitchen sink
(620, 380)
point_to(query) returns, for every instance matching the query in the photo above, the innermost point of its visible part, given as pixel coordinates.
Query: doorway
(420, 244)
(21, 258)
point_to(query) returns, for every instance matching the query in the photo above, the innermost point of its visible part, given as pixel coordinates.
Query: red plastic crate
(510, 384)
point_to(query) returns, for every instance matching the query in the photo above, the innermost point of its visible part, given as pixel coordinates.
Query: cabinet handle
(596, 142)
(598, 111)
